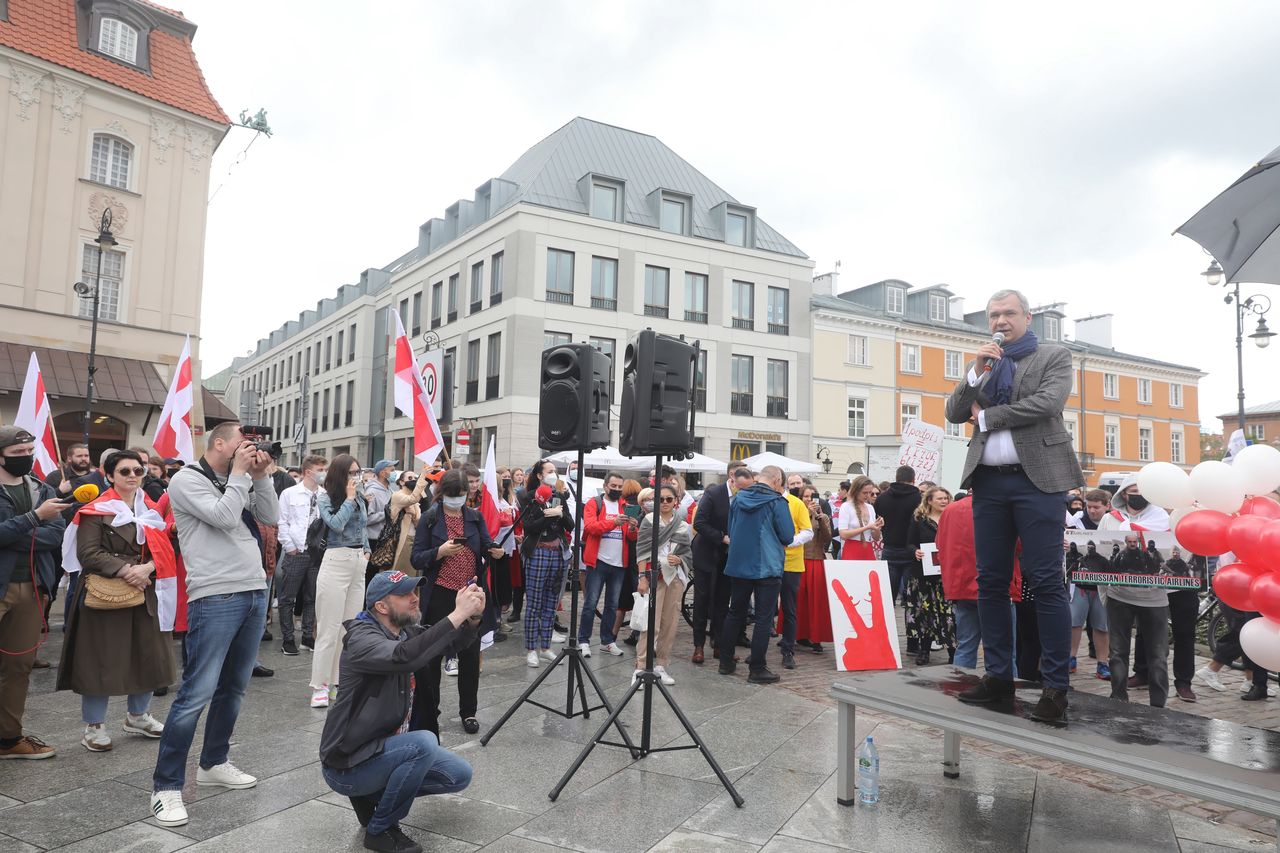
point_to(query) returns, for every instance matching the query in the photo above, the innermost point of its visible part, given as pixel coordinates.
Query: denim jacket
(347, 525)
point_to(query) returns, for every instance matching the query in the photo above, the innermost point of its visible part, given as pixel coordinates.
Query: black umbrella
(1241, 227)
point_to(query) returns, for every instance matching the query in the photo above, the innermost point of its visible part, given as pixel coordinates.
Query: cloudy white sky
(983, 145)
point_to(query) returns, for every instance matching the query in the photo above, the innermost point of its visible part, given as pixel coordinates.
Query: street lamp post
(1262, 335)
(105, 242)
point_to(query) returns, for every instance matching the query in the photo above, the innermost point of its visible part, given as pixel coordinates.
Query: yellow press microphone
(87, 492)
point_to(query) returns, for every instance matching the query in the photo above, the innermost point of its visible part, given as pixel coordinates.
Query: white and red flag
(34, 416)
(412, 400)
(173, 432)
(489, 493)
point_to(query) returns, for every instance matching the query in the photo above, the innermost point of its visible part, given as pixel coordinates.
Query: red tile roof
(47, 29)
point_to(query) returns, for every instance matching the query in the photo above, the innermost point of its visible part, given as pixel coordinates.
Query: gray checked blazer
(1041, 385)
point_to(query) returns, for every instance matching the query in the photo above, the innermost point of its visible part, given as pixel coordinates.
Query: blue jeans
(93, 709)
(609, 578)
(1006, 508)
(413, 764)
(223, 633)
(969, 632)
(765, 591)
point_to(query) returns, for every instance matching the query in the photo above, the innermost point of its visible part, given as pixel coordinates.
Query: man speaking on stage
(1020, 465)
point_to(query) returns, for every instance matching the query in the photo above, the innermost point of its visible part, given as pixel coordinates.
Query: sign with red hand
(862, 617)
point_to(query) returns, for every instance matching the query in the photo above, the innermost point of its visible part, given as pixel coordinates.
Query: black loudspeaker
(657, 386)
(573, 411)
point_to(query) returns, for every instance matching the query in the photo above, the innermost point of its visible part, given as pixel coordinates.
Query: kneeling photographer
(367, 750)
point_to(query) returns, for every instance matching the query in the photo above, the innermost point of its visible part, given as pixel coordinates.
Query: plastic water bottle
(868, 773)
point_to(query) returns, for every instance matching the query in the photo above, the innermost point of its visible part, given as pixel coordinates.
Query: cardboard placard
(930, 562)
(863, 621)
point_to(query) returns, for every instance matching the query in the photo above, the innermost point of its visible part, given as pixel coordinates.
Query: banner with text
(921, 449)
(863, 621)
(1132, 558)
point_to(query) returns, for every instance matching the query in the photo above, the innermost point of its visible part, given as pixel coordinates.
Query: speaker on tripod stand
(573, 411)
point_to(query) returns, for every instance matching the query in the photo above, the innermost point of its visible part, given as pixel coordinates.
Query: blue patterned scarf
(1000, 384)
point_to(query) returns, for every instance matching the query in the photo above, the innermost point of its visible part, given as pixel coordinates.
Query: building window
(744, 305)
(110, 161)
(937, 307)
(952, 364)
(894, 297)
(1111, 441)
(351, 343)
(317, 370)
(448, 370)
(559, 276)
(1075, 382)
(404, 315)
(324, 412)
(673, 216)
(700, 382)
(604, 284)
(858, 350)
(735, 229)
(437, 297)
(605, 346)
(1144, 444)
(307, 369)
(695, 297)
(337, 406)
(351, 402)
(1175, 395)
(109, 283)
(417, 321)
(604, 202)
(118, 39)
(657, 291)
(315, 410)
(1144, 390)
(910, 412)
(493, 364)
(776, 388)
(477, 287)
(741, 384)
(473, 371)
(453, 298)
(1111, 386)
(328, 352)
(1052, 328)
(954, 430)
(1175, 447)
(857, 417)
(1258, 432)
(776, 308)
(555, 339)
(495, 279)
(288, 372)
(338, 355)
(910, 358)
(1071, 430)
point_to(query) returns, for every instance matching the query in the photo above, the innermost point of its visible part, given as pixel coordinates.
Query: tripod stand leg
(622, 730)
(524, 697)
(591, 744)
(702, 747)
(582, 689)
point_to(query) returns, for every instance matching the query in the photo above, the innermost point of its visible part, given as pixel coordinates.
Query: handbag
(640, 612)
(317, 540)
(104, 593)
(383, 555)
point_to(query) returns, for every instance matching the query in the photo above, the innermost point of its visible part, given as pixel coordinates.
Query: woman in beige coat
(406, 500)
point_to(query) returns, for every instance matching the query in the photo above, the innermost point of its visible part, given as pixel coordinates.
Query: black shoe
(913, 647)
(728, 668)
(499, 636)
(471, 725)
(260, 671)
(804, 643)
(513, 618)
(788, 661)
(633, 638)
(160, 691)
(1255, 694)
(290, 648)
(560, 628)
(309, 643)
(391, 841)
(989, 690)
(922, 659)
(816, 648)
(1052, 707)
(763, 676)
(364, 807)
(266, 636)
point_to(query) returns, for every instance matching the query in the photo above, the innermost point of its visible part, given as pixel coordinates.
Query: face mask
(454, 503)
(506, 483)
(613, 494)
(394, 478)
(795, 492)
(550, 480)
(19, 466)
(409, 484)
(1137, 503)
(319, 478)
(573, 475)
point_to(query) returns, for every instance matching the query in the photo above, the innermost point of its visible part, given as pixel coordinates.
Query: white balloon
(1165, 484)
(1217, 485)
(1260, 639)
(1258, 467)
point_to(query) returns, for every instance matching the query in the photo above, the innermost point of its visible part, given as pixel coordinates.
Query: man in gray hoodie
(217, 506)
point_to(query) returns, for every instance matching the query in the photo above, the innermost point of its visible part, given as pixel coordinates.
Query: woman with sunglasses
(671, 575)
(119, 652)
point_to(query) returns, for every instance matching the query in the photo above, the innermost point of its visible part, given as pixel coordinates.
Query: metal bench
(1215, 760)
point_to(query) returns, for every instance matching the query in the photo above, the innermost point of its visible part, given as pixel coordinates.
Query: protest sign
(921, 449)
(1131, 558)
(930, 562)
(863, 622)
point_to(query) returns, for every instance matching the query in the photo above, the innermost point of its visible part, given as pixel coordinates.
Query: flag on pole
(412, 400)
(35, 418)
(173, 432)
(489, 493)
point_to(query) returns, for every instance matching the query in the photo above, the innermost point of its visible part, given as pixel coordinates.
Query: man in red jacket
(607, 537)
(959, 563)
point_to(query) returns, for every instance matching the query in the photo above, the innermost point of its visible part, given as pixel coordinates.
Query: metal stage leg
(846, 755)
(951, 755)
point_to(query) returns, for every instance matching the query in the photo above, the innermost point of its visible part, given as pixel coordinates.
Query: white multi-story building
(592, 235)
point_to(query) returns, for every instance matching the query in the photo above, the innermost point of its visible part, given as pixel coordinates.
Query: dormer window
(1051, 328)
(894, 297)
(605, 201)
(674, 216)
(118, 39)
(735, 229)
(937, 307)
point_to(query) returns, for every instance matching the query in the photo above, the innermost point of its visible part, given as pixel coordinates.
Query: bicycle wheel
(686, 604)
(1218, 627)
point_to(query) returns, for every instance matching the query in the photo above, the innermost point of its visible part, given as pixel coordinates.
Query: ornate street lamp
(105, 241)
(1257, 305)
(824, 456)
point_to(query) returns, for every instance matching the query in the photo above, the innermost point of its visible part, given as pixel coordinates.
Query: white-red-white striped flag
(34, 416)
(173, 439)
(412, 400)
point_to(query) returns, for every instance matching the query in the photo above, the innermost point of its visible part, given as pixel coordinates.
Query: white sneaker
(95, 738)
(547, 654)
(1245, 686)
(635, 675)
(451, 666)
(225, 775)
(532, 659)
(585, 648)
(612, 648)
(144, 724)
(1210, 679)
(557, 637)
(167, 808)
(320, 698)
(661, 672)
(935, 647)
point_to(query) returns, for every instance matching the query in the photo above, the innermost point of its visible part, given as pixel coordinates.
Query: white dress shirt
(999, 449)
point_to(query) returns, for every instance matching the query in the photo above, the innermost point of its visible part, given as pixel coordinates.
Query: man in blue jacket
(760, 529)
(367, 751)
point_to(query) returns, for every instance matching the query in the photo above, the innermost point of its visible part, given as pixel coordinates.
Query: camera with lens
(260, 438)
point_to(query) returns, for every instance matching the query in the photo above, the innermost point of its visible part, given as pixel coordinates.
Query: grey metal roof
(1271, 408)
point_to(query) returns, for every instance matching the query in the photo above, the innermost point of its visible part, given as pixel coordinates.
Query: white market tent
(788, 465)
(698, 464)
(604, 457)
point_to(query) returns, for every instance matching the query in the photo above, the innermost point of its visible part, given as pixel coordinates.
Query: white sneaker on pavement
(320, 698)
(96, 738)
(1210, 679)
(661, 672)
(547, 654)
(557, 637)
(225, 775)
(167, 808)
(612, 648)
(451, 666)
(144, 724)
(586, 649)
(532, 659)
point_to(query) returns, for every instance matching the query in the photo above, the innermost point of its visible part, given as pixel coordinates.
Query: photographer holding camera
(217, 505)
